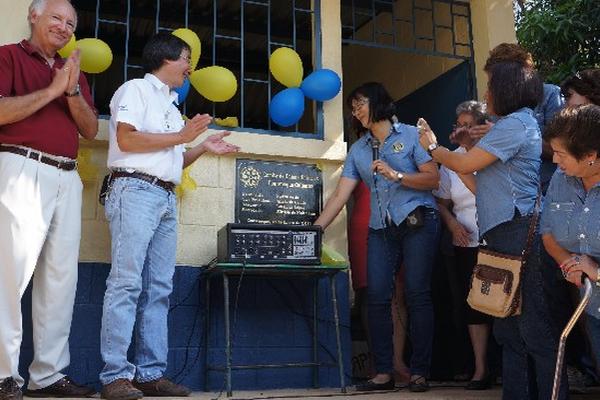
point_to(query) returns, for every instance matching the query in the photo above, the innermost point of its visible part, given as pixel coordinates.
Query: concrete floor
(324, 394)
(436, 393)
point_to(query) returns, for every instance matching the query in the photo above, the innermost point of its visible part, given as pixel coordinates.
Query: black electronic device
(269, 244)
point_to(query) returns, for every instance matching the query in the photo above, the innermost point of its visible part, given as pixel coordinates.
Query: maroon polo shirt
(51, 129)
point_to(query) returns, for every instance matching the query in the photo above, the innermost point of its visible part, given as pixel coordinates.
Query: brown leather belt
(64, 165)
(168, 186)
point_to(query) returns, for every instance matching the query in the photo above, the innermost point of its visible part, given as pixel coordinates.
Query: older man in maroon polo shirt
(45, 103)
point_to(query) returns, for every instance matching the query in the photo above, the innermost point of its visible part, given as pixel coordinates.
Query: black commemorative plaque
(274, 192)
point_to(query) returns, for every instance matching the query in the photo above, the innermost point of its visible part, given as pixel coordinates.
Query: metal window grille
(429, 27)
(237, 34)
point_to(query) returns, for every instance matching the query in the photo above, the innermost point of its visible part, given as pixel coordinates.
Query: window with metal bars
(429, 27)
(236, 34)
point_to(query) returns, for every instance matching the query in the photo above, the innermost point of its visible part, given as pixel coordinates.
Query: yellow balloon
(96, 56)
(286, 66)
(193, 41)
(69, 47)
(187, 183)
(215, 83)
(230, 122)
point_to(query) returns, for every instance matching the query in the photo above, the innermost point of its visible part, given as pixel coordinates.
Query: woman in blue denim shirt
(570, 228)
(404, 221)
(507, 162)
(552, 101)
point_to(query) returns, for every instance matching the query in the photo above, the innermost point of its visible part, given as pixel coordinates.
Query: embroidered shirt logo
(398, 147)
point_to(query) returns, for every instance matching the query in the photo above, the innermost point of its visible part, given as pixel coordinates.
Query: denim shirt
(511, 182)
(401, 151)
(572, 216)
(552, 102)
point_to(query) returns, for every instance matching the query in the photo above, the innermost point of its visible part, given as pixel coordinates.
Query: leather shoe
(370, 386)
(162, 388)
(64, 387)
(10, 390)
(121, 389)
(482, 384)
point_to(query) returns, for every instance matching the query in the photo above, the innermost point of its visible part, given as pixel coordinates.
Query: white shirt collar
(162, 87)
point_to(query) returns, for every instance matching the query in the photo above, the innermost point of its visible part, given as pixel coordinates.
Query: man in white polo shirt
(146, 156)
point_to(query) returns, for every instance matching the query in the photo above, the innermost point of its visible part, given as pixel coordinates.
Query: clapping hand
(460, 136)
(62, 78)
(216, 145)
(194, 127)
(478, 131)
(72, 65)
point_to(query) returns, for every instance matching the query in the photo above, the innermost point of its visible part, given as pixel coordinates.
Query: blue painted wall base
(273, 324)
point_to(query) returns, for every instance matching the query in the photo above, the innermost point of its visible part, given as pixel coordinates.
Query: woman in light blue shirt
(507, 162)
(404, 221)
(570, 221)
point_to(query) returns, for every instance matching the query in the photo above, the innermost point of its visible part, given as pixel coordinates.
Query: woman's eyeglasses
(358, 105)
(459, 126)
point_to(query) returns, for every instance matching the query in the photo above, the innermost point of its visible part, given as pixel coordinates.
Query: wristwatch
(399, 175)
(75, 92)
(432, 147)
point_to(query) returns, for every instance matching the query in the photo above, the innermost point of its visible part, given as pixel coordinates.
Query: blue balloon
(183, 90)
(287, 107)
(321, 85)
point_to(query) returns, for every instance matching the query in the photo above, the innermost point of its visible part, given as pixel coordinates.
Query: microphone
(375, 150)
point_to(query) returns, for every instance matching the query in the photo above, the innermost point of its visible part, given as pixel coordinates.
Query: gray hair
(38, 6)
(474, 108)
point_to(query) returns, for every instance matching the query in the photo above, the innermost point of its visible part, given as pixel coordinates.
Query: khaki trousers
(40, 230)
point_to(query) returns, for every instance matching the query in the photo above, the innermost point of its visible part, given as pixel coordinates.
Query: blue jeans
(415, 248)
(593, 328)
(529, 340)
(143, 225)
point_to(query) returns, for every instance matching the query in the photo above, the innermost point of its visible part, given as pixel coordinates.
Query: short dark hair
(578, 128)
(162, 46)
(381, 105)
(513, 86)
(585, 83)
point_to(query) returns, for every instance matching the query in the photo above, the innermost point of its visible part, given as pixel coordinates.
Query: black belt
(64, 165)
(168, 186)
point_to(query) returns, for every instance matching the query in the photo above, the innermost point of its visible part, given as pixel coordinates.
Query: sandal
(418, 384)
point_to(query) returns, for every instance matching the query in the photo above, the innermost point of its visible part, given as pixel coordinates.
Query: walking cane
(563, 337)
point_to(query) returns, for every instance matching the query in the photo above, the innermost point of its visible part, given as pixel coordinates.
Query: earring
(591, 163)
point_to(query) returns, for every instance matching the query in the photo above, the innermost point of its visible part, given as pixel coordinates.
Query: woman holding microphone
(404, 220)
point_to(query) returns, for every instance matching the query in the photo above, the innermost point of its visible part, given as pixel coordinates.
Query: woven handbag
(496, 280)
